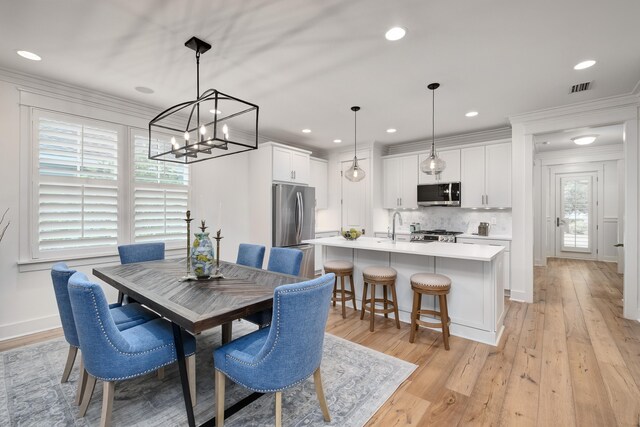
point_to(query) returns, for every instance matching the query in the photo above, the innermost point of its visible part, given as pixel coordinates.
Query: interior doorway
(576, 215)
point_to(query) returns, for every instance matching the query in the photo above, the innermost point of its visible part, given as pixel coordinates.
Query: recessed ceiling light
(395, 33)
(337, 141)
(391, 130)
(471, 114)
(306, 130)
(584, 139)
(585, 64)
(144, 89)
(215, 111)
(28, 55)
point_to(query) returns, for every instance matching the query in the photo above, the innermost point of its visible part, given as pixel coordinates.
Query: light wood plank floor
(568, 359)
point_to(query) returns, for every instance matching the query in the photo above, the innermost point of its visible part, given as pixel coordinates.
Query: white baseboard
(28, 327)
(519, 296)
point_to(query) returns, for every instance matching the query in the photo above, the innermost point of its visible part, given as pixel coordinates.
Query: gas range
(426, 236)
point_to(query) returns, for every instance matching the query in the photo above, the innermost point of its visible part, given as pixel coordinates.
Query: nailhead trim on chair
(387, 273)
(277, 329)
(129, 354)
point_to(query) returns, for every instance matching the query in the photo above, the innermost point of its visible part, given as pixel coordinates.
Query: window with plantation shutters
(161, 195)
(77, 183)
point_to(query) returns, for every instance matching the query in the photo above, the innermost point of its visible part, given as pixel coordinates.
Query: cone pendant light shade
(433, 165)
(355, 172)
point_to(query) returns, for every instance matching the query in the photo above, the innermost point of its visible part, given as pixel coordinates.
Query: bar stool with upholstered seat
(342, 269)
(436, 285)
(385, 277)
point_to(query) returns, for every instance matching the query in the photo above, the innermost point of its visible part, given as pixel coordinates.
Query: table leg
(120, 297)
(227, 332)
(182, 367)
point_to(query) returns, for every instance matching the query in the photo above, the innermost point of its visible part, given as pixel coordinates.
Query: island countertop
(435, 249)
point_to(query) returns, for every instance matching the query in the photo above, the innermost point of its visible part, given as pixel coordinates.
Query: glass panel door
(575, 220)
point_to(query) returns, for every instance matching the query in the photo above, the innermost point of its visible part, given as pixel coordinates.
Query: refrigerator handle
(300, 216)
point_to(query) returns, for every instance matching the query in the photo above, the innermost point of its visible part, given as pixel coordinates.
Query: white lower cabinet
(318, 250)
(494, 242)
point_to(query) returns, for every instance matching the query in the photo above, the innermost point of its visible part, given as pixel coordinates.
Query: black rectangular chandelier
(213, 125)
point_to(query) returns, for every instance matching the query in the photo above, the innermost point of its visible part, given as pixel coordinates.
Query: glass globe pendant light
(433, 165)
(355, 172)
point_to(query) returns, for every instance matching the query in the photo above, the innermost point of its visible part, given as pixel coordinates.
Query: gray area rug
(357, 381)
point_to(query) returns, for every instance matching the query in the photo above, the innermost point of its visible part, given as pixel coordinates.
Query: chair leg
(344, 313)
(108, 390)
(335, 290)
(414, 315)
(395, 304)
(220, 379)
(191, 373)
(71, 358)
(385, 295)
(444, 317)
(317, 380)
(364, 299)
(82, 382)
(373, 306)
(88, 392)
(353, 292)
(419, 308)
(278, 409)
(160, 373)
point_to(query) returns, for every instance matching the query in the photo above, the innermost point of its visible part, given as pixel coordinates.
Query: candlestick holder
(189, 275)
(217, 273)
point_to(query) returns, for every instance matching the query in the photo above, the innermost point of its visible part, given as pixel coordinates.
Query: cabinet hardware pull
(487, 198)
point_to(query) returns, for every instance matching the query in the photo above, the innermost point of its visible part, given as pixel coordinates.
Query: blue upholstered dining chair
(110, 354)
(285, 260)
(124, 316)
(250, 255)
(284, 354)
(141, 252)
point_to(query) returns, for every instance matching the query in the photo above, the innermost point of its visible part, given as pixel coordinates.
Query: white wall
(27, 301)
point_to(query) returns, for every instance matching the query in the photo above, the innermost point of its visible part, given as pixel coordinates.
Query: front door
(576, 221)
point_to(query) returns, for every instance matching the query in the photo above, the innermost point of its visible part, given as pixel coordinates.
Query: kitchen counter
(476, 299)
(434, 249)
(489, 237)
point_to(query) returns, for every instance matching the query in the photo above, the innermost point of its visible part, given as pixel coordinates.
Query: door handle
(300, 215)
(557, 222)
(619, 245)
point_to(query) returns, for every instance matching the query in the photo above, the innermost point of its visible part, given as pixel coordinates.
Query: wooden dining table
(195, 306)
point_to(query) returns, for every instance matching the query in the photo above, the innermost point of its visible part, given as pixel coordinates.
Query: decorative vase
(202, 256)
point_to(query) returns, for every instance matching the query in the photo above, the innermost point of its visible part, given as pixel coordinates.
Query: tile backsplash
(455, 219)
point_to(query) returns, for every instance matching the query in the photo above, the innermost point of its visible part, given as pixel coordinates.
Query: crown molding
(613, 102)
(450, 140)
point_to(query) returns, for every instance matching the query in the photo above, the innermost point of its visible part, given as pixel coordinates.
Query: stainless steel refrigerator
(294, 221)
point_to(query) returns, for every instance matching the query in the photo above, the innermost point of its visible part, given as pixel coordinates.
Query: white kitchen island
(476, 300)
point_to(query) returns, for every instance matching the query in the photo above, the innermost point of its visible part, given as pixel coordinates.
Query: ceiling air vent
(580, 87)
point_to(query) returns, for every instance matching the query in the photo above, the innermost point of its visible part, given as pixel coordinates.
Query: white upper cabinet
(486, 176)
(290, 165)
(451, 172)
(318, 178)
(498, 176)
(400, 176)
(472, 177)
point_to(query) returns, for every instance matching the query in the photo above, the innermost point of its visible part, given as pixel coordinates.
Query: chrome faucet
(393, 220)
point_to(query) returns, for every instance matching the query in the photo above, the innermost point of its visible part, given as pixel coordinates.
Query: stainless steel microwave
(444, 194)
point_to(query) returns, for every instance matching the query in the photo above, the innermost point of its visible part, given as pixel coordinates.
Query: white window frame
(125, 184)
(173, 244)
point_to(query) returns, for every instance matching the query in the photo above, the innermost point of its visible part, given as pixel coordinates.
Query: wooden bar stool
(436, 285)
(342, 269)
(385, 277)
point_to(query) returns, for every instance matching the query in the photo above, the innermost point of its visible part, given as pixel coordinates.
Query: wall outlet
(493, 220)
